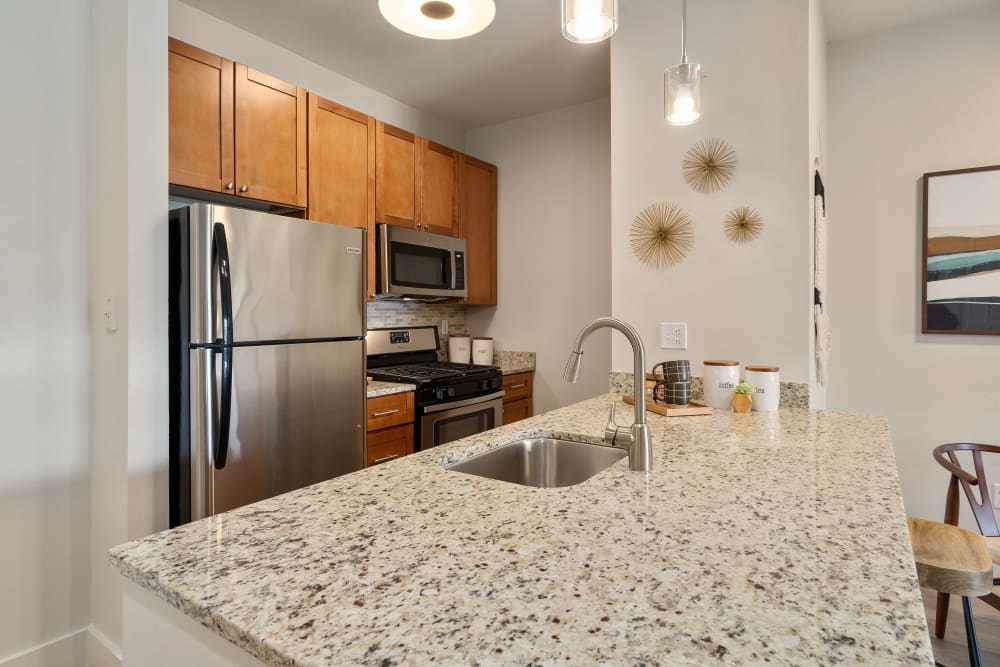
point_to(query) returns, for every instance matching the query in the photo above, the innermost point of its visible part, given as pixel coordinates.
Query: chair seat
(950, 559)
(994, 544)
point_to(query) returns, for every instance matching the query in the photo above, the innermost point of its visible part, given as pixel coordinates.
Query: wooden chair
(982, 507)
(955, 562)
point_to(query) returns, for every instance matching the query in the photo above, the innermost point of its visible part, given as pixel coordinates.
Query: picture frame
(961, 252)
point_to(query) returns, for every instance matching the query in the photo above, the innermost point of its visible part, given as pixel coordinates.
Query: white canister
(721, 377)
(766, 387)
(482, 351)
(459, 349)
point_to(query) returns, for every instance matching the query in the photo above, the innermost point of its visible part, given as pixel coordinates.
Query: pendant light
(439, 19)
(682, 84)
(587, 21)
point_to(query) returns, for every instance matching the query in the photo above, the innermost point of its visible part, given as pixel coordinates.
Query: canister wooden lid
(458, 335)
(762, 369)
(720, 362)
(481, 338)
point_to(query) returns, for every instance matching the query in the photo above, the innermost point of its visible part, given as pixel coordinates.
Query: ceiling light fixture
(682, 84)
(587, 21)
(439, 19)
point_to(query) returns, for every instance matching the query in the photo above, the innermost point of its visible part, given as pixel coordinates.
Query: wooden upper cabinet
(341, 164)
(397, 196)
(200, 118)
(478, 226)
(438, 188)
(342, 170)
(270, 138)
(233, 128)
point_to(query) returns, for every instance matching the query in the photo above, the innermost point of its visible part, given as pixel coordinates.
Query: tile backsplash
(384, 314)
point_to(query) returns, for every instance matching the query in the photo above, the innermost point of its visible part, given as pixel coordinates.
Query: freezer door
(291, 279)
(297, 418)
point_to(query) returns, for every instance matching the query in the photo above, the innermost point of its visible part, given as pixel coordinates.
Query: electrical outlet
(444, 327)
(673, 335)
(996, 495)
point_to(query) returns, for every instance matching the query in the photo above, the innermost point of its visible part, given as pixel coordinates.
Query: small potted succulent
(742, 400)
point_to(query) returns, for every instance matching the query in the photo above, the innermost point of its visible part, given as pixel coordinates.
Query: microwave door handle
(452, 278)
(226, 306)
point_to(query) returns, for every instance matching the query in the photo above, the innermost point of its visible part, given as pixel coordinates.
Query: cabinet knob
(229, 186)
(244, 188)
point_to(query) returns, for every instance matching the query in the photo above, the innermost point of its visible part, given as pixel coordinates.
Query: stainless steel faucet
(636, 439)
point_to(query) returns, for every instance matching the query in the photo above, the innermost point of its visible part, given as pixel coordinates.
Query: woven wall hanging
(743, 224)
(661, 235)
(709, 165)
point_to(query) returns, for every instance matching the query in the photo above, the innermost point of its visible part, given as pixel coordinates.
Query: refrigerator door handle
(221, 248)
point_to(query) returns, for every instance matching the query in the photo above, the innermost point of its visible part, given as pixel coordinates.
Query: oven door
(451, 421)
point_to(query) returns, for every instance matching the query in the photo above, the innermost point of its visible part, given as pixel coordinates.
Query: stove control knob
(484, 384)
(439, 394)
(451, 391)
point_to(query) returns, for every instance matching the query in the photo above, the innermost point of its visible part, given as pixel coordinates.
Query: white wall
(208, 32)
(751, 302)
(553, 265)
(44, 479)
(108, 263)
(923, 97)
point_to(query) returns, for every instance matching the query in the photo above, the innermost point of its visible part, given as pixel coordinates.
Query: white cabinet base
(157, 635)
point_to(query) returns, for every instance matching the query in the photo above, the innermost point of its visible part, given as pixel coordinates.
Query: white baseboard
(84, 647)
(70, 649)
(101, 651)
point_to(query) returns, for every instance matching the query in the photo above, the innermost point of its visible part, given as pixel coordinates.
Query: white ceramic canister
(721, 377)
(766, 387)
(459, 349)
(482, 351)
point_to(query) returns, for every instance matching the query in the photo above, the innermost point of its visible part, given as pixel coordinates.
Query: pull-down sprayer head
(572, 371)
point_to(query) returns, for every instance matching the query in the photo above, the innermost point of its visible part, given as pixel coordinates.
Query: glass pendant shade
(587, 21)
(439, 19)
(682, 94)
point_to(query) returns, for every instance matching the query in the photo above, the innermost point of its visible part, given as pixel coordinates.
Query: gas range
(439, 381)
(452, 400)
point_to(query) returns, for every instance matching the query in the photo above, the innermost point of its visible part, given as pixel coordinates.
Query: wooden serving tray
(667, 410)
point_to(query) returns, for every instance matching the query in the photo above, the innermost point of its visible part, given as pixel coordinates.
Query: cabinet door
(342, 170)
(270, 138)
(516, 411)
(200, 118)
(389, 444)
(438, 188)
(396, 176)
(478, 226)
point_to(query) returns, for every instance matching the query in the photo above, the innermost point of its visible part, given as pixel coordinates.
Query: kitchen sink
(541, 462)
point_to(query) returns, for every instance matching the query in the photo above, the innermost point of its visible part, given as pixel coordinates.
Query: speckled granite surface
(379, 388)
(793, 394)
(764, 537)
(514, 362)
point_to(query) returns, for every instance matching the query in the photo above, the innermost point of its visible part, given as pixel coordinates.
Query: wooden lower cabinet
(517, 400)
(390, 427)
(389, 444)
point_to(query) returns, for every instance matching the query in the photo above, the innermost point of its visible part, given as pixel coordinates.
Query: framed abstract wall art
(961, 262)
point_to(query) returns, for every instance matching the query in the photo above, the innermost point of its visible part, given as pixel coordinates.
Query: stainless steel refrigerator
(267, 357)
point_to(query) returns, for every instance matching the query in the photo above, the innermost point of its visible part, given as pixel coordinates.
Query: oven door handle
(441, 407)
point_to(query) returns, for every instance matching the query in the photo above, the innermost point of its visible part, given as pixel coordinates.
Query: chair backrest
(982, 506)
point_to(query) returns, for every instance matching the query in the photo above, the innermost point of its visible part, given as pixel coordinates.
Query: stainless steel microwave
(418, 265)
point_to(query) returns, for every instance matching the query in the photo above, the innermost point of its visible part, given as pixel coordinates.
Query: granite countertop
(514, 362)
(379, 388)
(775, 537)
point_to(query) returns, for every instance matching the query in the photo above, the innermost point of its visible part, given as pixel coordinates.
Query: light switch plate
(444, 327)
(673, 335)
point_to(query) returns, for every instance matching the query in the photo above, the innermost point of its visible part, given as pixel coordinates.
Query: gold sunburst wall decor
(709, 165)
(743, 224)
(661, 235)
